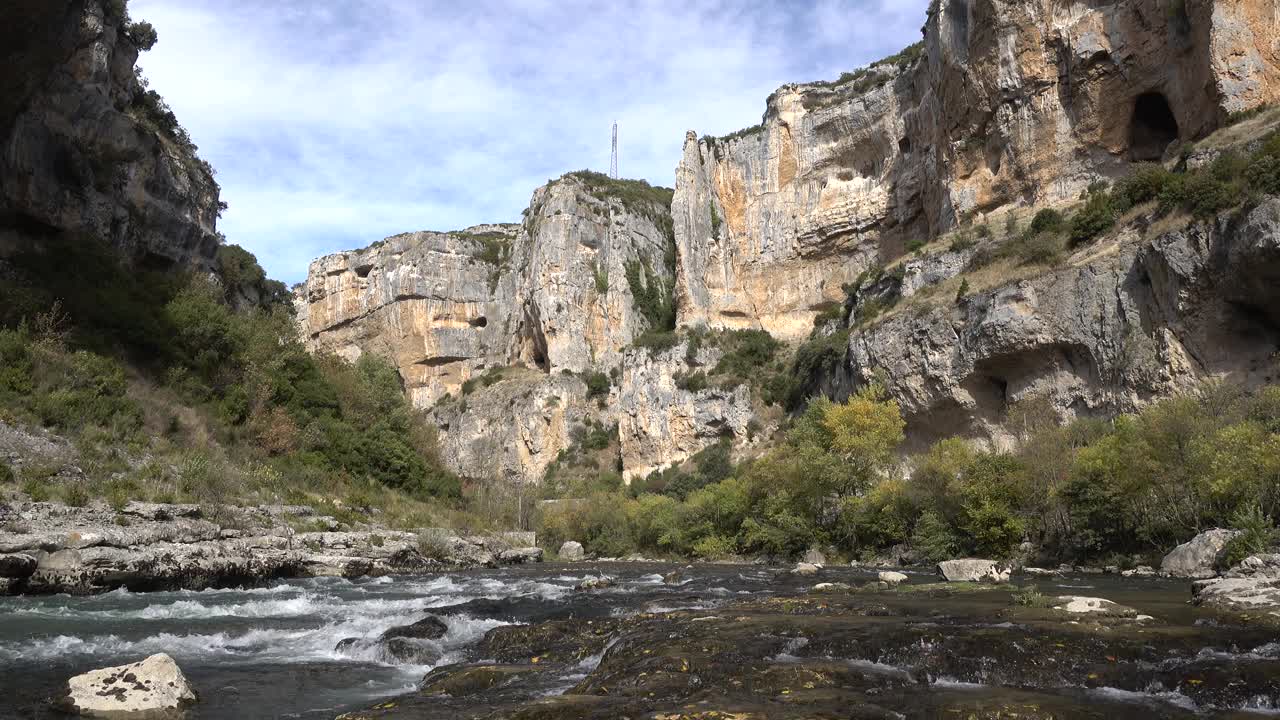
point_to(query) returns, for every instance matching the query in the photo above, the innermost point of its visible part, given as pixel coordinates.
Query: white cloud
(334, 124)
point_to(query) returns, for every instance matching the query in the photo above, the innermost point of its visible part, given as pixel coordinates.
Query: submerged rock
(571, 551)
(973, 570)
(675, 577)
(1140, 571)
(141, 689)
(1198, 557)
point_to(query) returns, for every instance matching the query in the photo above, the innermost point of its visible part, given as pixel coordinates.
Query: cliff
(1002, 104)
(856, 222)
(85, 149)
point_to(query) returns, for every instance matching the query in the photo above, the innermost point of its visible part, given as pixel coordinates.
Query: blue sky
(335, 124)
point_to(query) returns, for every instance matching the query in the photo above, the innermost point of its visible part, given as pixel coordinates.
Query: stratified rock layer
(1007, 103)
(79, 155)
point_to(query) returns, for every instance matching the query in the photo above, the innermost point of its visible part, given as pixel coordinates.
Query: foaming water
(277, 646)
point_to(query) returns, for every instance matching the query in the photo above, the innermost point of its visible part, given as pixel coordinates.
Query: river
(270, 652)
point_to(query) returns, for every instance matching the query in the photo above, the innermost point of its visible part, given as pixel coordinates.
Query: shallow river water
(269, 652)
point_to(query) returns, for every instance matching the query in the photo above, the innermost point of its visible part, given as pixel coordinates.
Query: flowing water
(269, 652)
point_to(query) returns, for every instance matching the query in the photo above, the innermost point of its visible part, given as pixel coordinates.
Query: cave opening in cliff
(1152, 128)
(480, 322)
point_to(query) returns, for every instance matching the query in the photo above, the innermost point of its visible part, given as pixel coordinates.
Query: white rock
(571, 551)
(973, 570)
(1081, 605)
(152, 685)
(1198, 557)
(891, 577)
(1040, 572)
(805, 569)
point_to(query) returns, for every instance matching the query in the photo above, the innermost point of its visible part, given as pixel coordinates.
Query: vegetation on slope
(1090, 490)
(171, 394)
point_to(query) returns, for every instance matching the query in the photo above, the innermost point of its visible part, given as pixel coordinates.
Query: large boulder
(571, 551)
(142, 689)
(1252, 588)
(1198, 557)
(17, 566)
(973, 570)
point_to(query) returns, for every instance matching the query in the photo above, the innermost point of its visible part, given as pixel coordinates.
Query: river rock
(596, 583)
(814, 556)
(673, 578)
(521, 555)
(973, 570)
(805, 569)
(144, 688)
(1081, 605)
(571, 551)
(1252, 587)
(1198, 557)
(891, 577)
(18, 565)
(428, 628)
(1040, 572)
(1140, 571)
(830, 587)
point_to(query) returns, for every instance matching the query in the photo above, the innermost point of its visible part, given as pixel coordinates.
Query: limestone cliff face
(1117, 327)
(436, 304)
(574, 306)
(79, 151)
(1004, 103)
(515, 428)
(553, 295)
(660, 423)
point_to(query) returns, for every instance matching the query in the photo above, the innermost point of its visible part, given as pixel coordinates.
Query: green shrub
(1096, 217)
(597, 384)
(1047, 220)
(933, 538)
(1257, 535)
(6, 474)
(75, 495)
(691, 382)
(652, 296)
(143, 35)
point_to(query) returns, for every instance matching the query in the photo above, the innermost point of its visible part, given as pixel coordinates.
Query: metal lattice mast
(613, 159)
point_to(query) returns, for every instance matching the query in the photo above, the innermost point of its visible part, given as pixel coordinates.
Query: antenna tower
(613, 159)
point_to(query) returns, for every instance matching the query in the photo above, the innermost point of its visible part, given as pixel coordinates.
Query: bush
(1047, 220)
(1257, 535)
(143, 35)
(597, 384)
(1096, 217)
(6, 474)
(691, 382)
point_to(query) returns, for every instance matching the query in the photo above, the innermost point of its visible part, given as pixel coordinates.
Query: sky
(335, 123)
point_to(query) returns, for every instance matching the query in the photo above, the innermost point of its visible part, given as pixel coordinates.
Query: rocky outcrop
(1251, 588)
(436, 304)
(539, 414)
(554, 293)
(50, 548)
(85, 152)
(571, 551)
(1198, 557)
(1142, 317)
(973, 570)
(661, 423)
(1002, 104)
(589, 245)
(148, 688)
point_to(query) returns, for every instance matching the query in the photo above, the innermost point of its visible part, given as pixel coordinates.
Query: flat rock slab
(140, 689)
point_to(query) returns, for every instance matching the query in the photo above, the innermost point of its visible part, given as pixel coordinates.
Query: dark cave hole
(1152, 128)
(904, 145)
(480, 322)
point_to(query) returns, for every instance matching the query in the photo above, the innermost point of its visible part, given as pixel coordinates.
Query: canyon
(788, 225)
